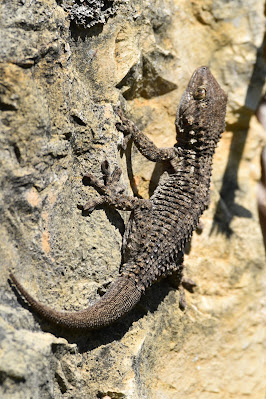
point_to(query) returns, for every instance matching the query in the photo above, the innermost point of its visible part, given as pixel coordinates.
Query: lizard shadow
(113, 217)
(227, 208)
(158, 170)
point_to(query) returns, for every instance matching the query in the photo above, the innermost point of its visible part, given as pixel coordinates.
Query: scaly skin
(159, 228)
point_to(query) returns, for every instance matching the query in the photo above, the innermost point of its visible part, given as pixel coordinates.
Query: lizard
(159, 227)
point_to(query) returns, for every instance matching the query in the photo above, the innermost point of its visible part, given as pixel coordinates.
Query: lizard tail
(121, 297)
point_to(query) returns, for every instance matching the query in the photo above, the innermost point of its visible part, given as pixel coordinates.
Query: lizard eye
(200, 93)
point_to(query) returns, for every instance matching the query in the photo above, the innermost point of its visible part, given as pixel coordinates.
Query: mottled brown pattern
(160, 227)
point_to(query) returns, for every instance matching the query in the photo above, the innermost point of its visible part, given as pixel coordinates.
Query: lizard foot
(126, 126)
(182, 298)
(110, 179)
(107, 188)
(178, 281)
(189, 285)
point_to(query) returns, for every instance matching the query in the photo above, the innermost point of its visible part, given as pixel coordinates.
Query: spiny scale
(160, 227)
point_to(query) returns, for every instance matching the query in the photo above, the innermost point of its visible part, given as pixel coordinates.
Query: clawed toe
(110, 178)
(126, 126)
(90, 180)
(105, 167)
(182, 298)
(120, 127)
(188, 284)
(91, 205)
(88, 207)
(115, 177)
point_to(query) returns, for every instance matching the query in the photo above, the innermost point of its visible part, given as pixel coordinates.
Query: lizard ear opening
(200, 93)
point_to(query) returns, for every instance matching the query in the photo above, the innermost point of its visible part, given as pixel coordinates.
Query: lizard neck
(193, 162)
(193, 139)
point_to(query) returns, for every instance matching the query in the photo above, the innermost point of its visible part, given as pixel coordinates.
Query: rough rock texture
(63, 68)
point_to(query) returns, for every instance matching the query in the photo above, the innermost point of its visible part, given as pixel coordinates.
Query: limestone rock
(64, 66)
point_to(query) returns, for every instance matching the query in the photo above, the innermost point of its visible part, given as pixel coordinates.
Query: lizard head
(200, 118)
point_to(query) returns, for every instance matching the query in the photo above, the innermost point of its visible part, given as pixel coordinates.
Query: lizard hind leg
(178, 281)
(189, 285)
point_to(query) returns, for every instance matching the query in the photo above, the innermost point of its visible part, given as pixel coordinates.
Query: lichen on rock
(90, 12)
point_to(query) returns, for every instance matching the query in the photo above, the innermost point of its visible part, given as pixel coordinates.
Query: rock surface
(64, 66)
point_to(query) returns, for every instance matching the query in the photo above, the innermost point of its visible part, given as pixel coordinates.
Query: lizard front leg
(111, 193)
(143, 143)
